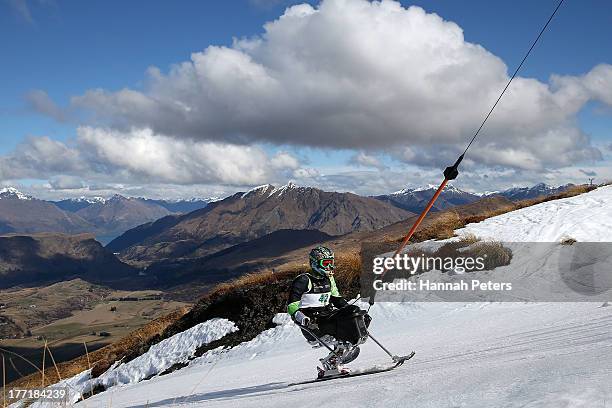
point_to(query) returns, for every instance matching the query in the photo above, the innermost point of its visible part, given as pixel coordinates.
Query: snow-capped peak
(281, 190)
(12, 192)
(90, 200)
(406, 191)
(270, 189)
(425, 188)
(258, 190)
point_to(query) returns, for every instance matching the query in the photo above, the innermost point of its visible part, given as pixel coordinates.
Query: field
(72, 313)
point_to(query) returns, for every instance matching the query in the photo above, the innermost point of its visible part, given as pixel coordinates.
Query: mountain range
(104, 217)
(526, 193)
(250, 215)
(20, 213)
(108, 218)
(221, 239)
(415, 199)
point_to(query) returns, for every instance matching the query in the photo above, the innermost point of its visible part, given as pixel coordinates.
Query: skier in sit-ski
(315, 304)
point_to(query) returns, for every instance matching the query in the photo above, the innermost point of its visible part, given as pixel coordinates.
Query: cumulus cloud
(142, 156)
(359, 74)
(38, 157)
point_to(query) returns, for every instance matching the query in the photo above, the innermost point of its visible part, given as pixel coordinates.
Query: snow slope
(468, 354)
(586, 218)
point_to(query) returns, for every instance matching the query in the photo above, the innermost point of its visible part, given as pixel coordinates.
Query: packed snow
(586, 218)
(174, 350)
(468, 355)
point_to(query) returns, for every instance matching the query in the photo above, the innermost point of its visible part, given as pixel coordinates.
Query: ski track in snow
(531, 355)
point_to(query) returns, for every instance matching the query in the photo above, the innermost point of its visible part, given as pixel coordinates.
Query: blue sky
(66, 48)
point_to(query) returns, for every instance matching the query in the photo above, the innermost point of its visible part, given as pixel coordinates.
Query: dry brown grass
(443, 227)
(568, 241)
(494, 254)
(348, 268)
(100, 359)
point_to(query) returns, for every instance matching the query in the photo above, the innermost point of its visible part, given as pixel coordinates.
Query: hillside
(118, 214)
(107, 218)
(485, 351)
(246, 216)
(46, 257)
(415, 200)
(24, 214)
(186, 278)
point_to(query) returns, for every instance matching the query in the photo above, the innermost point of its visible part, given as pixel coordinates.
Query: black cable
(513, 75)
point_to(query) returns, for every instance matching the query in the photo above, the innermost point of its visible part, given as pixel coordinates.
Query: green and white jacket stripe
(311, 293)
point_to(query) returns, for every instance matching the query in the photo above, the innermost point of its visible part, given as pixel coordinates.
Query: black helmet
(322, 261)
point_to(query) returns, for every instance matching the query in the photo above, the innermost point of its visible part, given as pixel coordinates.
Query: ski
(398, 361)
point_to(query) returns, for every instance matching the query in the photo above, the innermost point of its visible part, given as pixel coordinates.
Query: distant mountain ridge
(415, 199)
(21, 213)
(173, 206)
(525, 193)
(253, 214)
(108, 218)
(104, 217)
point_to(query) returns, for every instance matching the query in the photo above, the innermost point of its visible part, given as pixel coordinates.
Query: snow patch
(586, 218)
(90, 200)
(283, 189)
(163, 355)
(258, 190)
(160, 357)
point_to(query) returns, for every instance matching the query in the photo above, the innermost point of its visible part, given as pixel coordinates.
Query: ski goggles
(327, 264)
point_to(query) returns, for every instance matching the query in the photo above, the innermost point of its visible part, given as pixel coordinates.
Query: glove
(304, 320)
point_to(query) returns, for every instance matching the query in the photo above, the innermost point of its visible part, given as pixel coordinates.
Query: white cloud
(359, 74)
(373, 77)
(37, 156)
(142, 156)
